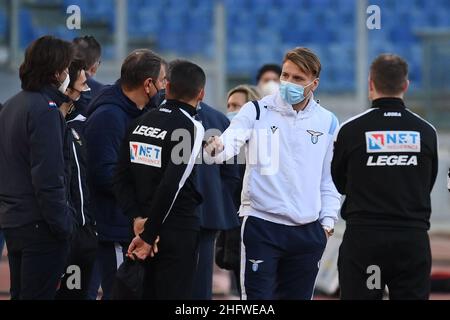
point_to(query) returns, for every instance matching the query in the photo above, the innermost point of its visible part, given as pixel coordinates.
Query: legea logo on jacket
(146, 154)
(392, 141)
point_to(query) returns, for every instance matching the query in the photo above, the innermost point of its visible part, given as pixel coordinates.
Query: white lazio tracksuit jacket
(288, 171)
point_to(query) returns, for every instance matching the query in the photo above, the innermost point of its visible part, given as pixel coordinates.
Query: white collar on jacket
(276, 103)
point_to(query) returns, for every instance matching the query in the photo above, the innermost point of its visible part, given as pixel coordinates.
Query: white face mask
(87, 89)
(269, 88)
(63, 87)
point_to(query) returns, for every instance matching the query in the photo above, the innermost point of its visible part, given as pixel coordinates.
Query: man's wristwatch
(329, 231)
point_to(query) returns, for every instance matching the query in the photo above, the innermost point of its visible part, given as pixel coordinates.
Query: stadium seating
(260, 31)
(3, 26)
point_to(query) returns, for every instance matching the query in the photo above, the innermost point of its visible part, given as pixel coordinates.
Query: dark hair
(389, 74)
(266, 68)
(186, 79)
(140, 65)
(43, 59)
(88, 50)
(74, 71)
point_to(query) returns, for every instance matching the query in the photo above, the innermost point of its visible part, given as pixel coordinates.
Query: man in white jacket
(289, 202)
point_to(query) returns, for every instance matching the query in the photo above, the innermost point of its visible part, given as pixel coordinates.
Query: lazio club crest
(314, 136)
(255, 264)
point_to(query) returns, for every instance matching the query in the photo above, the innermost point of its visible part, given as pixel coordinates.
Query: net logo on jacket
(392, 141)
(146, 154)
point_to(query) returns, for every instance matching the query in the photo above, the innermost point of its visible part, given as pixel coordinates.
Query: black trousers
(370, 259)
(204, 272)
(170, 274)
(109, 257)
(83, 251)
(36, 261)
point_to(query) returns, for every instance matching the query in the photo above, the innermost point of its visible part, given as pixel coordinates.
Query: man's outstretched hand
(214, 146)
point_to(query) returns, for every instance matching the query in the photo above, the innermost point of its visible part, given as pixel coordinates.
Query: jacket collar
(285, 108)
(388, 103)
(127, 104)
(52, 93)
(191, 110)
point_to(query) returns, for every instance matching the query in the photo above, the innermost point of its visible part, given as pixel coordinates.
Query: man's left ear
(315, 84)
(148, 84)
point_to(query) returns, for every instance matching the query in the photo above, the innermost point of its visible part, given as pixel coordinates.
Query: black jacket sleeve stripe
(339, 162)
(435, 166)
(199, 133)
(80, 187)
(173, 180)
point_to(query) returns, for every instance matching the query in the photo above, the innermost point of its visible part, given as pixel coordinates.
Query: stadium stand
(259, 31)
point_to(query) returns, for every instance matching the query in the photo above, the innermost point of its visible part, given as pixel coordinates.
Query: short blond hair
(305, 59)
(251, 92)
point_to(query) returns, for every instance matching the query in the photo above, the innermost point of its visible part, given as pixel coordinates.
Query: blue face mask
(157, 99)
(293, 93)
(231, 115)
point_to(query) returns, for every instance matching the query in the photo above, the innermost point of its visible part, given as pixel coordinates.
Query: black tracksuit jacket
(33, 163)
(154, 177)
(386, 163)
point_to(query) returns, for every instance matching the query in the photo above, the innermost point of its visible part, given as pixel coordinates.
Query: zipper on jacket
(79, 184)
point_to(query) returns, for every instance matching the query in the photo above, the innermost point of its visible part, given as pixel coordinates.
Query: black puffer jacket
(34, 176)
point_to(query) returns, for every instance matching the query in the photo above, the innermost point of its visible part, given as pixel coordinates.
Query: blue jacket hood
(114, 96)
